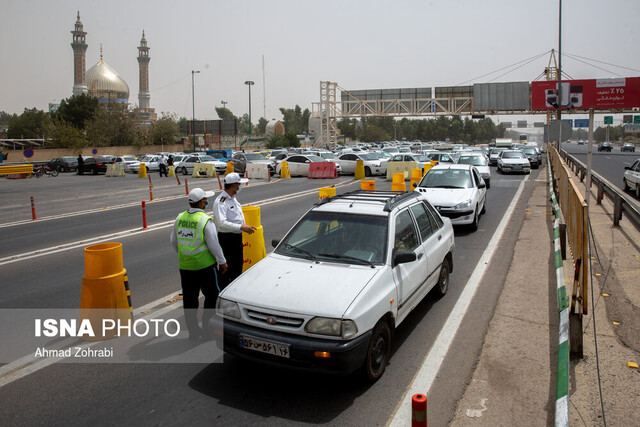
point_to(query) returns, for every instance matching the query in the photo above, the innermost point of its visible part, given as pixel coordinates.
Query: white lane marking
(423, 380)
(136, 231)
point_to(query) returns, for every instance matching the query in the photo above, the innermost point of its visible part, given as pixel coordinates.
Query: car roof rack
(389, 198)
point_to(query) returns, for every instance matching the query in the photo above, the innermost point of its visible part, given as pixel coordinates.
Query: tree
(243, 124)
(116, 126)
(32, 123)
(261, 128)
(274, 141)
(225, 114)
(164, 130)
(65, 135)
(183, 126)
(4, 117)
(78, 109)
(296, 120)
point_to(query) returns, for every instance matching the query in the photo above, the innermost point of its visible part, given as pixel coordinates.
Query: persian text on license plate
(281, 350)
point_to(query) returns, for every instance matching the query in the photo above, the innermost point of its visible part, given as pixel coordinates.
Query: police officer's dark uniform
(229, 220)
(195, 239)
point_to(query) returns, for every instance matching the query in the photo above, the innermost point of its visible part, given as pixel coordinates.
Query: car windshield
(423, 158)
(473, 160)
(513, 155)
(328, 155)
(529, 150)
(255, 156)
(496, 151)
(314, 158)
(337, 237)
(447, 178)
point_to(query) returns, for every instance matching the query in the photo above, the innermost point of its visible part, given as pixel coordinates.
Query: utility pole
(249, 83)
(193, 108)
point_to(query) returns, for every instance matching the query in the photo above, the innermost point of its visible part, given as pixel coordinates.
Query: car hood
(300, 286)
(447, 196)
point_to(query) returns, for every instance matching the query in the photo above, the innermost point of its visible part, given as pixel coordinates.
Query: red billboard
(623, 92)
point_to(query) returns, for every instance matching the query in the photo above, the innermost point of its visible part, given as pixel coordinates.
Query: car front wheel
(637, 190)
(474, 224)
(378, 352)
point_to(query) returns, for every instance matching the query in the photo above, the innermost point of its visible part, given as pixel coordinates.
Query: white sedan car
(372, 165)
(480, 161)
(513, 161)
(457, 191)
(150, 162)
(299, 164)
(185, 166)
(330, 295)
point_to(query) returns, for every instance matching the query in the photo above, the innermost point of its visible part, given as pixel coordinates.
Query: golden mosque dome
(105, 83)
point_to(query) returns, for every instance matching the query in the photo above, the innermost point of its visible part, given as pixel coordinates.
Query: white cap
(198, 194)
(234, 178)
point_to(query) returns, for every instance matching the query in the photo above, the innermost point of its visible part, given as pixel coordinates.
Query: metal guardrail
(621, 204)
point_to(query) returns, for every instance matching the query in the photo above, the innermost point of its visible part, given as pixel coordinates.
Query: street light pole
(224, 104)
(249, 83)
(193, 106)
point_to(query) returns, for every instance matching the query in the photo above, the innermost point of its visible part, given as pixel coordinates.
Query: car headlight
(333, 327)
(228, 308)
(463, 205)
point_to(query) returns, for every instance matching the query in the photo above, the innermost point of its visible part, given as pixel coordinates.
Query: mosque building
(103, 82)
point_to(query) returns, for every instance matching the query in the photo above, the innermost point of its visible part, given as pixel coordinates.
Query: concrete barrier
(257, 171)
(114, 169)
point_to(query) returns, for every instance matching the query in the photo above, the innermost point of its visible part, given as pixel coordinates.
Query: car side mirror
(415, 185)
(481, 184)
(275, 242)
(627, 168)
(404, 257)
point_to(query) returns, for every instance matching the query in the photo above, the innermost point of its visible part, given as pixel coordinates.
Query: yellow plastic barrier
(203, 170)
(16, 169)
(427, 167)
(397, 167)
(326, 192)
(252, 244)
(172, 171)
(398, 183)
(284, 170)
(416, 176)
(359, 174)
(104, 294)
(142, 172)
(368, 185)
(229, 168)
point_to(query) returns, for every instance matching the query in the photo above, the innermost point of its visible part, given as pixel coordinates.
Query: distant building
(103, 82)
(274, 127)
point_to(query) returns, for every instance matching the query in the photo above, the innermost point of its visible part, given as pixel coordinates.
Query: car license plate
(280, 350)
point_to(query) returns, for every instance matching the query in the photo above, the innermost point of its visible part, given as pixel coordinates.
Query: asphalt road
(234, 392)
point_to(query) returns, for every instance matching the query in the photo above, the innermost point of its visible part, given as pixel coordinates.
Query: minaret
(143, 59)
(79, 59)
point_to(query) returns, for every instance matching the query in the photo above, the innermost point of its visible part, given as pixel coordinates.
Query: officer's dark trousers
(231, 244)
(194, 281)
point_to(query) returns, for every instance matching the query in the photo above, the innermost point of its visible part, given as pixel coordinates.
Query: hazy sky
(360, 44)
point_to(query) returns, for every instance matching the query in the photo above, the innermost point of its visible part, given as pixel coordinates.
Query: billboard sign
(584, 94)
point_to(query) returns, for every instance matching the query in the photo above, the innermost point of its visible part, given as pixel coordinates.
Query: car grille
(274, 319)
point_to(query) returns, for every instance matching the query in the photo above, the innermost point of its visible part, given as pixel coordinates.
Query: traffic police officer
(229, 219)
(194, 237)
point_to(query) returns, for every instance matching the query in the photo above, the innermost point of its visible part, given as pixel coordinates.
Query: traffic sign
(555, 131)
(636, 120)
(570, 121)
(608, 120)
(28, 153)
(94, 151)
(581, 123)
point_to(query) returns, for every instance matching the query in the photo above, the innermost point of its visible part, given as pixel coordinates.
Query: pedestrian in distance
(80, 164)
(170, 160)
(229, 220)
(194, 237)
(162, 165)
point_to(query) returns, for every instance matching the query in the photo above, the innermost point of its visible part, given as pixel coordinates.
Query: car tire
(626, 185)
(378, 352)
(443, 280)
(147, 168)
(484, 207)
(476, 218)
(367, 171)
(637, 190)
(94, 170)
(185, 171)
(488, 183)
